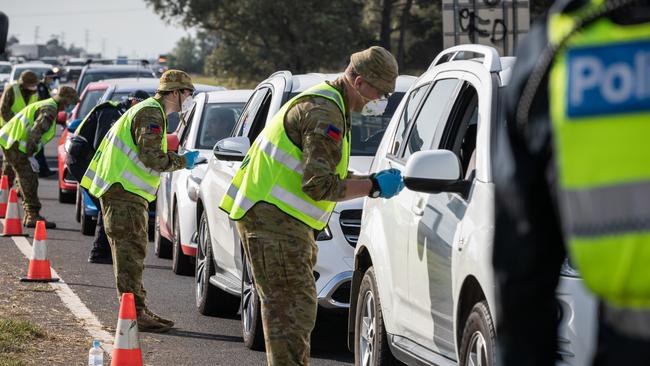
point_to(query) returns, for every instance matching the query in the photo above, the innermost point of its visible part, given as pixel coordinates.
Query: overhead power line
(86, 12)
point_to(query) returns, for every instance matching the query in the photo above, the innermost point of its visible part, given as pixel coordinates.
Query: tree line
(250, 39)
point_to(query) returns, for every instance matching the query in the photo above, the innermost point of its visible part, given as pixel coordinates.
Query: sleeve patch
(333, 132)
(155, 128)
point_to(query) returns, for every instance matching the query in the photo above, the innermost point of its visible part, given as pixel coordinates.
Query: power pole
(104, 47)
(36, 35)
(87, 39)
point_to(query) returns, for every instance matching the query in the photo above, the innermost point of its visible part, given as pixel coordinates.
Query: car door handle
(418, 208)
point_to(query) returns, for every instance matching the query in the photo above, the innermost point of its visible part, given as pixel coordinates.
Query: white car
(5, 72)
(222, 276)
(423, 290)
(212, 118)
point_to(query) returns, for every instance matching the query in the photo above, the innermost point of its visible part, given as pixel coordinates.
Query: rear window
(5, 69)
(96, 76)
(217, 123)
(121, 96)
(90, 100)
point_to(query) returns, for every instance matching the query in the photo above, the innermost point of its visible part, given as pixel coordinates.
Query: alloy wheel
(367, 331)
(201, 275)
(477, 350)
(248, 298)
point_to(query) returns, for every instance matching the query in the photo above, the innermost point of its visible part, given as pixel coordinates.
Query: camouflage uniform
(6, 113)
(282, 249)
(126, 214)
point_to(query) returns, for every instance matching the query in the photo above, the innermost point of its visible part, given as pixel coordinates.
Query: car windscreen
(96, 76)
(367, 131)
(121, 96)
(5, 69)
(217, 122)
(39, 71)
(90, 100)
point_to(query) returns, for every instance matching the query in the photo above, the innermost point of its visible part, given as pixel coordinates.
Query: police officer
(25, 134)
(571, 171)
(287, 186)
(125, 173)
(17, 96)
(84, 144)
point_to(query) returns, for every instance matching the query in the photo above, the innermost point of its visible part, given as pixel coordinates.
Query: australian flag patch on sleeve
(333, 132)
(155, 128)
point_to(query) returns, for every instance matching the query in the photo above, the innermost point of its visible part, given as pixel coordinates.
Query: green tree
(185, 56)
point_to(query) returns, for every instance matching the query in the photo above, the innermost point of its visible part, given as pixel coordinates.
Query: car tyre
(210, 300)
(370, 339)
(67, 197)
(251, 315)
(162, 247)
(87, 223)
(478, 344)
(77, 214)
(181, 263)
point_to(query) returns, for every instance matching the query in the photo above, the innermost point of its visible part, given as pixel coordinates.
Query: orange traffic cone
(4, 195)
(12, 223)
(126, 348)
(39, 265)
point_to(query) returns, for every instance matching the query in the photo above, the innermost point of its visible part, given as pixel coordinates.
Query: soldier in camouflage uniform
(282, 249)
(42, 123)
(27, 85)
(126, 213)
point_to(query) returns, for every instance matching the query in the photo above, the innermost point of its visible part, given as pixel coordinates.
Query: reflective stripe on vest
(19, 127)
(272, 170)
(599, 90)
(19, 102)
(117, 160)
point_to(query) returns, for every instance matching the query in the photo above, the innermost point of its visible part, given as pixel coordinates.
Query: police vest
(272, 170)
(117, 161)
(19, 101)
(19, 127)
(599, 90)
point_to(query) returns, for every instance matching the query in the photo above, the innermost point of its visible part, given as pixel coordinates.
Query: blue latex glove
(390, 182)
(190, 159)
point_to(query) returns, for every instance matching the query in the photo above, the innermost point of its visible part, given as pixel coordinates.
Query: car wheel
(370, 340)
(77, 214)
(181, 263)
(87, 223)
(478, 344)
(210, 300)
(161, 245)
(251, 315)
(67, 197)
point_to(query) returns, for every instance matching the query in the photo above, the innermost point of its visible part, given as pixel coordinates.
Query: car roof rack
(491, 59)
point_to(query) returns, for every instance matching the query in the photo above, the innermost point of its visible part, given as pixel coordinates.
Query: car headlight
(193, 185)
(568, 270)
(324, 234)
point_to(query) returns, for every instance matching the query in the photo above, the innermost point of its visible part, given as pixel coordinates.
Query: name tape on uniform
(609, 79)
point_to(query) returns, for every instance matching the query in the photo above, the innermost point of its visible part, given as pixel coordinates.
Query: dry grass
(229, 83)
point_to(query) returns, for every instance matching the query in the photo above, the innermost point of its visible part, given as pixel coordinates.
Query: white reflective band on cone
(12, 211)
(39, 250)
(3, 196)
(126, 334)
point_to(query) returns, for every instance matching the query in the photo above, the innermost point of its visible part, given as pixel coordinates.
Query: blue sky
(125, 26)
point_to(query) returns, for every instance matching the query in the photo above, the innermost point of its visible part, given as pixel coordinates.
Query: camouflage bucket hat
(67, 95)
(377, 66)
(174, 80)
(29, 79)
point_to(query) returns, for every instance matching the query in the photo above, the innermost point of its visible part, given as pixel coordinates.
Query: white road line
(89, 321)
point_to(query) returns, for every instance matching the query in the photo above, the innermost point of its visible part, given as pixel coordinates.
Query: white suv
(423, 289)
(221, 271)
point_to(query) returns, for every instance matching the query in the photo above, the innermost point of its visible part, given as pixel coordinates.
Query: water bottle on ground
(96, 355)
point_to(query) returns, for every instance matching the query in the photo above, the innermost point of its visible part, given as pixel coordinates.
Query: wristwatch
(375, 191)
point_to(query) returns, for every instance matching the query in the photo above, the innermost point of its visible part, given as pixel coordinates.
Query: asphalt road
(196, 339)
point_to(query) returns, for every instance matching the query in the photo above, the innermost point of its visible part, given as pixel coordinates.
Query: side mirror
(435, 171)
(61, 117)
(172, 142)
(232, 148)
(72, 126)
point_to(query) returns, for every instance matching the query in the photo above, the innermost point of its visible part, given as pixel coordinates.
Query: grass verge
(16, 337)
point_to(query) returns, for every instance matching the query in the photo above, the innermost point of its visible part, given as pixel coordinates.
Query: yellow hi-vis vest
(117, 161)
(19, 126)
(599, 90)
(272, 170)
(19, 101)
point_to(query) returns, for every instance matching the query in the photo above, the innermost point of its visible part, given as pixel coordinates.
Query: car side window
(188, 117)
(260, 117)
(405, 120)
(250, 111)
(435, 108)
(459, 133)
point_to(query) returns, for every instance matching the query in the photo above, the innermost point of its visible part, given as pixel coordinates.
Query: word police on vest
(609, 79)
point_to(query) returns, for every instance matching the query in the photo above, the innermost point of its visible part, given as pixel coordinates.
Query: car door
(438, 218)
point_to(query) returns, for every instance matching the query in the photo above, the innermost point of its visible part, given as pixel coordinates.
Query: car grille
(350, 221)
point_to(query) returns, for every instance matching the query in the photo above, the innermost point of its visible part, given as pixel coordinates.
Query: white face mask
(375, 107)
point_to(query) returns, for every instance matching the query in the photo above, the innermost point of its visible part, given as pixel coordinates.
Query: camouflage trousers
(282, 253)
(27, 178)
(8, 171)
(125, 223)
